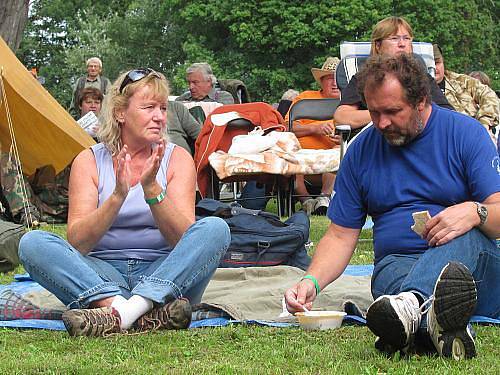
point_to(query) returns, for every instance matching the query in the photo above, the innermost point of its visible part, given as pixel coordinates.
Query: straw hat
(328, 67)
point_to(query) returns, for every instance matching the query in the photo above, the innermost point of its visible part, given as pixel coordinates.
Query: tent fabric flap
(44, 131)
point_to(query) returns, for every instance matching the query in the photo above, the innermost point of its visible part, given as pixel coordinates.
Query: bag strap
(238, 210)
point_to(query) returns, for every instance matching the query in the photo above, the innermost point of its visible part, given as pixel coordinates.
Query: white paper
(88, 121)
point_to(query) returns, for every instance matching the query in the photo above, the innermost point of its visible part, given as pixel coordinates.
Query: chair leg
(291, 188)
(214, 186)
(235, 191)
(278, 198)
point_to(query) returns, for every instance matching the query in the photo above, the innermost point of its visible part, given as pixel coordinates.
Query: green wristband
(155, 200)
(316, 284)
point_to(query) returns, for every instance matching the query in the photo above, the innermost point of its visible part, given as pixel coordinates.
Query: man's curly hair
(405, 68)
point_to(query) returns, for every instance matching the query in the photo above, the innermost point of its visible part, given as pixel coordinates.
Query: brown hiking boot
(173, 315)
(92, 322)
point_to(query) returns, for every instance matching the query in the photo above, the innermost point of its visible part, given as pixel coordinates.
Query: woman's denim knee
(218, 230)
(32, 246)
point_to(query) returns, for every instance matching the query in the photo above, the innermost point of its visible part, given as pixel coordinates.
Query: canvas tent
(44, 132)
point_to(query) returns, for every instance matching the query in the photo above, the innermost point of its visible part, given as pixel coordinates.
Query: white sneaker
(321, 207)
(454, 303)
(395, 320)
(308, 206)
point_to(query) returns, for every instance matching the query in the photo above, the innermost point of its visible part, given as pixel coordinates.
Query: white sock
(132, 309)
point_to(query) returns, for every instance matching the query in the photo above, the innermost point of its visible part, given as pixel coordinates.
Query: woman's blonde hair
(109, 131)
(385, 28)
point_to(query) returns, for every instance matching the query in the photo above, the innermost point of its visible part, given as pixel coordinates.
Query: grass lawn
(233, 349)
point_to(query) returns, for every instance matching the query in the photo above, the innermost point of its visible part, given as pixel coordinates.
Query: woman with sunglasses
(135, 257)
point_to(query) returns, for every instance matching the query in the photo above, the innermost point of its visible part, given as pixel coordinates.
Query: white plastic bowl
(320, 319)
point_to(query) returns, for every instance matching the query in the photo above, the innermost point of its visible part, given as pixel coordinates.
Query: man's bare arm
(330, 259)
(350, 114)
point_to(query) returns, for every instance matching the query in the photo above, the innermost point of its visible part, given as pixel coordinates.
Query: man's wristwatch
(482, 211)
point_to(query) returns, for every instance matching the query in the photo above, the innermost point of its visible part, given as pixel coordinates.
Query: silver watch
(482, 211)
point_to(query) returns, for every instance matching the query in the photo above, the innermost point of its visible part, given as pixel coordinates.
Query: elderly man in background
(392, 36)
(466, 94)
(317, 135)
(92, 79)
(201, 82)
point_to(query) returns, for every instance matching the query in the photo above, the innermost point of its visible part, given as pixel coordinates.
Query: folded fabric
(275, 162)
(274, 153)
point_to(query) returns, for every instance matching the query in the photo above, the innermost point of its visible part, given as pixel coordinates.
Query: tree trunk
(13, 18)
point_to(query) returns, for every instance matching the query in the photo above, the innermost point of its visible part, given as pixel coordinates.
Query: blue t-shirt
(452, 161)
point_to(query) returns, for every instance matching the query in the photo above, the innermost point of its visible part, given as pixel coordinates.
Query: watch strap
(482, 212)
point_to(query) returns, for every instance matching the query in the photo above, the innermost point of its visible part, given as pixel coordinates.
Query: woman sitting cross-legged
(135, 257)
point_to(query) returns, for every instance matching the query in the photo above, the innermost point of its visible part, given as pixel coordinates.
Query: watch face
(482, 211)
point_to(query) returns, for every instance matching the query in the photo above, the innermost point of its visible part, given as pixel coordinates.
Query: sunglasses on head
(136, 75)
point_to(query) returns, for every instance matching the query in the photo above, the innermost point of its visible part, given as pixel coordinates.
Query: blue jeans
(397, 273)
(77, 280)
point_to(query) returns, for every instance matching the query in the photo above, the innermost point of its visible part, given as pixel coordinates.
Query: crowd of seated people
(141, 178)
(390, 36)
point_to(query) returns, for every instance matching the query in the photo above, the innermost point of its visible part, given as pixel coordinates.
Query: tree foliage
(269, 44)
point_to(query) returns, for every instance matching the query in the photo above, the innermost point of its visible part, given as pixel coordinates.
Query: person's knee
(32, 244)
(216, 229)
(473, 241)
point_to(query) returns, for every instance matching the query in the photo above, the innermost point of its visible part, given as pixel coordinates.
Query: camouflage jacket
(469, 96)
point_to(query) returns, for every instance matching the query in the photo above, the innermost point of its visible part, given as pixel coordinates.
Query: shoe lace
(156, 319)
(102, 323)
(414, 314)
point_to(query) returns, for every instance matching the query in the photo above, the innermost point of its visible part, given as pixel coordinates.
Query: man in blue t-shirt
(418, 157)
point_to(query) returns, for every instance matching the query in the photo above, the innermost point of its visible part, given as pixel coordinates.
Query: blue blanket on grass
(24, 284)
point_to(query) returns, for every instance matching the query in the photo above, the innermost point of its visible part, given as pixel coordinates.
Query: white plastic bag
(251, 143)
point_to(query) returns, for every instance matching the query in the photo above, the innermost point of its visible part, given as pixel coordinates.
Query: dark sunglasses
(136, 75)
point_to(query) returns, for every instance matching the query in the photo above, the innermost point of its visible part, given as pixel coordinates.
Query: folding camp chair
(354, 55)
(311, 109)
(271, 120)
(275, 183)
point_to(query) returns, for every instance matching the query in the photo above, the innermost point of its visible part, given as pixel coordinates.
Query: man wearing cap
(317, 135)
(466, 94)
(92, 79)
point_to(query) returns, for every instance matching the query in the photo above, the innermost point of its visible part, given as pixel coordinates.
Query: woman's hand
(123, 173)
(151, 166)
